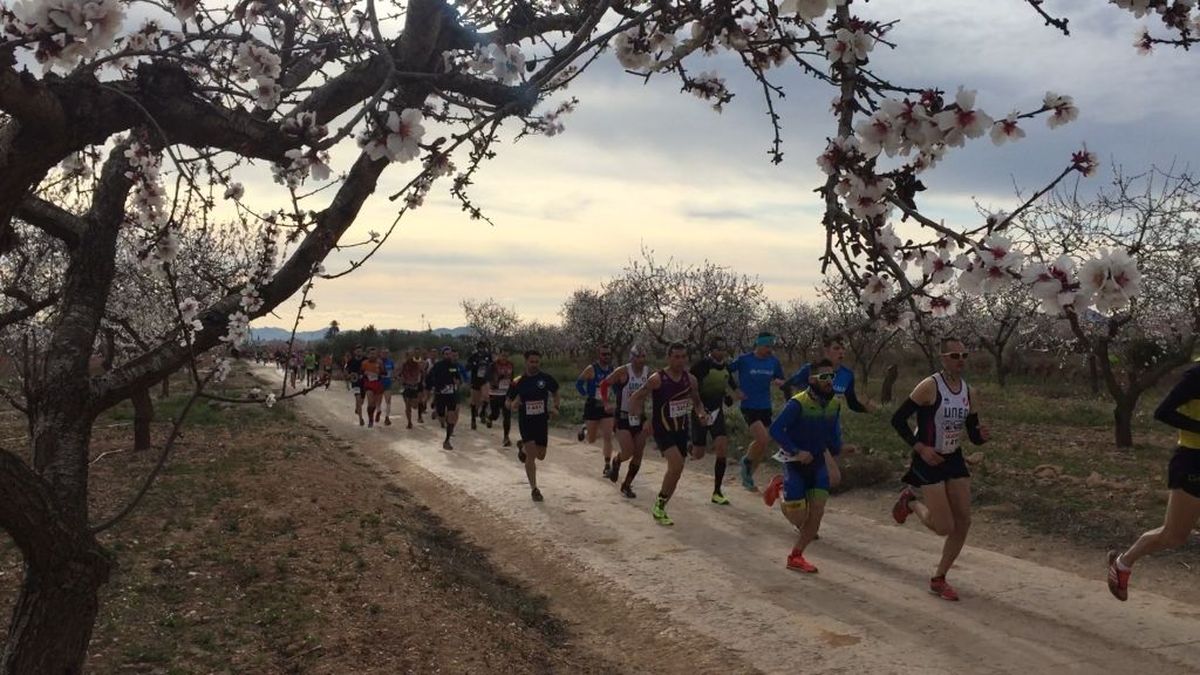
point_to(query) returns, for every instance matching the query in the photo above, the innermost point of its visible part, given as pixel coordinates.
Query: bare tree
(798, 327)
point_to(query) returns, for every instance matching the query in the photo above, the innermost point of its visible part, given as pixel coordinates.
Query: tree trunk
(1123, 420)
(889, 384)
(166, 386)
(54, 614)
(1001, 370)
(1093, 374)
(143, 415)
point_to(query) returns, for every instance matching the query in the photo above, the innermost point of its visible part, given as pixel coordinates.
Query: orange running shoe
(798, 563)
(771, 494)
(943, 590)
(901, 510)
(1118, 579)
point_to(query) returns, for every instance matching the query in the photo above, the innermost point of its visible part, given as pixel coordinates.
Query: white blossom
(805, 9)
(270, 401)
(963, 121)
(847, 46)
(1110, 279)
(1007, 130)
(876, 291)
(401, 141)
(1062, 107)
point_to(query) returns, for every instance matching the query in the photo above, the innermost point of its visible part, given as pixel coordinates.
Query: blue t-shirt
(754, 376)
(388, 367)
(843, 384)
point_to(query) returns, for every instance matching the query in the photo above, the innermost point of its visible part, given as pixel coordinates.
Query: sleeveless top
(672, 403)
(941, 426)
(633, 382)
(599, 372)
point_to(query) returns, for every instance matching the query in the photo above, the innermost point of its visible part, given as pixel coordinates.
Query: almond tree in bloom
(489, 320)
(179, 109)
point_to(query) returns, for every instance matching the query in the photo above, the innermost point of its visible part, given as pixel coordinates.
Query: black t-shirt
(479, 365)
(534, 392)
(443, 377)
(354, 366)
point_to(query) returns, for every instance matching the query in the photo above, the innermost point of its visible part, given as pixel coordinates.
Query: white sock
(1121, 563)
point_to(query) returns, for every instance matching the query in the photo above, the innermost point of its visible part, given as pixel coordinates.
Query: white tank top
(635, 382)
(950, 419)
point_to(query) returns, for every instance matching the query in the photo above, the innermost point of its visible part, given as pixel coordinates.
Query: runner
(843, 386)
(412, 380)
(372, 373)
(808, 431)
(346, 369)
(500, 379)
(631, 433)
(531, 396)
(294, 363)
(388, 368)
(355, 380)
(675, 394)
(1181, 410)
(478, 365)
(426, 393)
(444, 380)
(755, 373)
(310, 369)
(942, 403)
(327, 370)
(715, 384)
(597, 420)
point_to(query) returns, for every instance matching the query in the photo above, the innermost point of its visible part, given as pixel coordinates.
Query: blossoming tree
(176, 102)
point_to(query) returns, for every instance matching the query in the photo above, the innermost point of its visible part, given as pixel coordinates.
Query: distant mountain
(272, 334)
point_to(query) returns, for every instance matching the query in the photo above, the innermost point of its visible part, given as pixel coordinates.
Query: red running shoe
(901, 510)
(943, 590)
(798, 563)
(771, 494)
(1118, 579)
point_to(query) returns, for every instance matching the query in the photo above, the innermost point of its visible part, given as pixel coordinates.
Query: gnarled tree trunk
(143, 415)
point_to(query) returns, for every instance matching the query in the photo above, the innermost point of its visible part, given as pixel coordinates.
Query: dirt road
(718, 574)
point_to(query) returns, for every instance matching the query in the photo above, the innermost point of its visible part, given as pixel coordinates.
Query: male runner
(478, 365)
(843, 385)
(530, 395)
(942, 403)
(808, 431)
(631, 433)
(444, 380)
(1180, 409)
(327, 369)
(411, 381)
(715, 383)
(499, 381)
(427, 362)
(755, 373)
(675, 394)
(310, 369)
(388, 368)
(596, 420)
(372, 377)
(354, 377)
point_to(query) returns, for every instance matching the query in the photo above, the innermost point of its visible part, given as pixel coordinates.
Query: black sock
(507, 424)
(663, 499)
(634, 465)
(474, 413)
(449, 431)
(718, 474)
(607, 463)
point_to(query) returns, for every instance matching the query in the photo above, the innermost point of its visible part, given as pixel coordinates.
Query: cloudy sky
(644, 164)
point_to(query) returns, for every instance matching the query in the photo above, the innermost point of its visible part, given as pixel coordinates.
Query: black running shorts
(701, 433)
(921, 474)
(752, 415)
(444, 403)
(593, 411)
(666, 440)
(1183, 473)
(535, 429)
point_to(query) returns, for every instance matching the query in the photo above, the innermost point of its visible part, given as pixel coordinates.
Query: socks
(449, 431)
(474, 413)
(633, 469)
(718, 475)
(1121, 563)
(662, 500)
(607, 465)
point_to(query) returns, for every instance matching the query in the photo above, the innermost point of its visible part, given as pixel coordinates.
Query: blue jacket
(808, 424)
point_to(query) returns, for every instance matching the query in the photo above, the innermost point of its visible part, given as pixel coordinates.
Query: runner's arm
(607, 382)
(1186, 390)
(581, 382)
(798, 380)
(919, 397)
(779, 428)
(852, 399)
(639, 397)
(697, 402)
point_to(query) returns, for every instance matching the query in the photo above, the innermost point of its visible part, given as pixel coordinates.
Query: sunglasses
(956, 356)
(824, 377)
(605, 353)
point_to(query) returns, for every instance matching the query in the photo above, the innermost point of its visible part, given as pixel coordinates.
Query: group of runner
(687, 417)
(309, 367)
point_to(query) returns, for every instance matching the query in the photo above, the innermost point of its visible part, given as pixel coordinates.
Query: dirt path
(718, 573)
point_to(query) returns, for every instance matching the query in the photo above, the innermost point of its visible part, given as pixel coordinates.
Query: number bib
(535, 407)
(501, 388)
(951, 438)
(448, 389)
(482, 372)
(679, 408)
(371, 377)
(634, 420)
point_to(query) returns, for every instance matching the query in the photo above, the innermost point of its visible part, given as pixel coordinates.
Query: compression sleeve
(604, 390)
(1187, 390)
(852, 399)
(779, 428)
(799, 379)
(900, 421)
(973, 429)
(581, 387)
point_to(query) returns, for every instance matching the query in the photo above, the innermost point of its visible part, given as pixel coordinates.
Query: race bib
(634, 420)
(448, 389)
(501, 387)
(372, 377)
(679, 408)
(482, 372)
(535, 407)
(951, 438)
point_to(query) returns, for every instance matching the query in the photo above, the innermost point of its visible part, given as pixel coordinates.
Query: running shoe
(507, 443)
(387, 421)
(488, 422)
(747, 474)
(613, 472)
(798, 563)
(628, 492)
(720, 499)
(472, 424)
(1118, 579)
(447, 446)
(902, 508)
(360, 421)
(409, 425)
(370, 423)
(582, 433)
(537, 495)
(660, 514)
(771, 494)
(939, 587)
